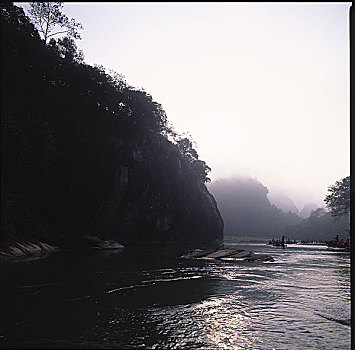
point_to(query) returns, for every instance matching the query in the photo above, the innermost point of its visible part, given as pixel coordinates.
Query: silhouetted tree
(185, 146)
(201, 169)
(47, 15)
(68, 50)
(338, 198)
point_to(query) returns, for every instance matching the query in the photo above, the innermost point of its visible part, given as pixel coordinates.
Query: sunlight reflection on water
(301, 300)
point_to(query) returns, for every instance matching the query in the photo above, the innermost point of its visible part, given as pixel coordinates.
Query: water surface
(150, 298)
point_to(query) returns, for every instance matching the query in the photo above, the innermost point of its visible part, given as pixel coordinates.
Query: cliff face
(155, 198)
(83, 153)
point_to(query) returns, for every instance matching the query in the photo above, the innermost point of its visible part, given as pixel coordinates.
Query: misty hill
(246, 209)
(84, 153)
(305, 212)
(320, 225)
(282, 201)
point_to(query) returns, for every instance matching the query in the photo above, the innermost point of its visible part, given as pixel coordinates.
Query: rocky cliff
(156, 198)
(85, 154)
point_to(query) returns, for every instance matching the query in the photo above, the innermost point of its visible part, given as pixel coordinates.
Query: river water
(150, 298)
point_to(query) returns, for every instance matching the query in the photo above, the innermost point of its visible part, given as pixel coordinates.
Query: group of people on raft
(336, 243)
(280, 242)
(339, 243)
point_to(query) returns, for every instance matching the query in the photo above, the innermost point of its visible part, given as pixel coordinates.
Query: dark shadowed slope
(84, 153)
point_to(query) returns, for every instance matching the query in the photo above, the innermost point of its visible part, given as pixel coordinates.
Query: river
(151, 298)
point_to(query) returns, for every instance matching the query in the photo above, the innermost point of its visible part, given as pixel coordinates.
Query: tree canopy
(338, 198)
(185, 146)
(46, 16)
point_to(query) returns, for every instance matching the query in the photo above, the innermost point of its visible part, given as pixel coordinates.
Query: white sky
(263, 88)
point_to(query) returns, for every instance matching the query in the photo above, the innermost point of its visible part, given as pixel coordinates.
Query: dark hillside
(85, 153)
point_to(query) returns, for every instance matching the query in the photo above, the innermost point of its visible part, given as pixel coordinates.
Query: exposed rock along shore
(41, 249)
(93, 242)
(28, 249)
(228, 254)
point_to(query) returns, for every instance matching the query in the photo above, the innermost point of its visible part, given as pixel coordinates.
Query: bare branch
(64, 31)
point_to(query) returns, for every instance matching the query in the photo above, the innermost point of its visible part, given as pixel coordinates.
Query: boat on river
(339, 245)
(278, 242)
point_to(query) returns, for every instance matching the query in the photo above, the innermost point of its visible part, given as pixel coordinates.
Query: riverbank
(28, 249)
(25, 250)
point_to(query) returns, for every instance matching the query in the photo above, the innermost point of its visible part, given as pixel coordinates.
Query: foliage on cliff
(68, 129)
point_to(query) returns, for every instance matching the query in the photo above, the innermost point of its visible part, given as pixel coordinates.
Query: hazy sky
(263, 88)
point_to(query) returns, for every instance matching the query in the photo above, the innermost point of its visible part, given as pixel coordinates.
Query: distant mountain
(246, 209)
(282, 201)
(305, 212)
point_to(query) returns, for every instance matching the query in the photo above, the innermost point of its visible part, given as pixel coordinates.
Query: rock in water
(222, 253)
(228, 254)
(109, 245)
